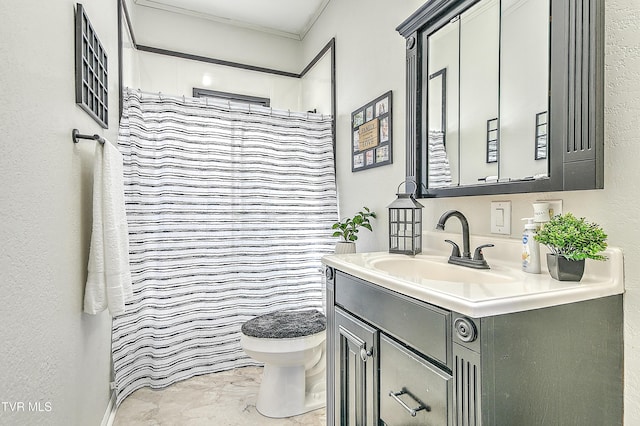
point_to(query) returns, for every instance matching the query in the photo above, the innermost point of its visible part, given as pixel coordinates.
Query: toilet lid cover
(286, 324)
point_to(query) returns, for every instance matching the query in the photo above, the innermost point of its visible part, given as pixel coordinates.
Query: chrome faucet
(478, 260)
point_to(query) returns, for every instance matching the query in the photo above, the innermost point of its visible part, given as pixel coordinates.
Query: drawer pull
(412, 411)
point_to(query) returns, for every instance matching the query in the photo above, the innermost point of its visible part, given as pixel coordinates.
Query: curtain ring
(206, 100)
(270, 111)
(289, 111)
(229, 105)
(183, 100)
(160, 95)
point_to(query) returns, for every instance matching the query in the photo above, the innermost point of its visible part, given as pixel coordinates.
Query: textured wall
(51, 353)
(371, 61)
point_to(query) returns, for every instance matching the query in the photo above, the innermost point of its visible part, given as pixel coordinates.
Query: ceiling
(287, 18)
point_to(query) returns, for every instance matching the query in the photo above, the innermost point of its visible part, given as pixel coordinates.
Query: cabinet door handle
(364, 354)
(412, 411)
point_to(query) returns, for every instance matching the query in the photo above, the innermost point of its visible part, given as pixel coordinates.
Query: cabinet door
(356, 358)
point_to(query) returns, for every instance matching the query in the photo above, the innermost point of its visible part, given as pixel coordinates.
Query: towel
(438, 167)
(109, 278)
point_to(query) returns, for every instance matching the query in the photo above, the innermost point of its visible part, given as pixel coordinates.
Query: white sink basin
(437, 269)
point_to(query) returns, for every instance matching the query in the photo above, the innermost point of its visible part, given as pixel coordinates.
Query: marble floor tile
(221, 399)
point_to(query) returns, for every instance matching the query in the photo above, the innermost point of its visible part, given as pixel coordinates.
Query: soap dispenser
(530, 248)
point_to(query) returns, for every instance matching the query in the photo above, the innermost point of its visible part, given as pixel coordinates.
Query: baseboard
(110, 412)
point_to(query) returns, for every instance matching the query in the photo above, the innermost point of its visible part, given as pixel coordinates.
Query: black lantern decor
(405, 224)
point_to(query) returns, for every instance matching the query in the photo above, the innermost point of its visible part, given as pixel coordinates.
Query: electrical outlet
(555, 206)
(501, 217)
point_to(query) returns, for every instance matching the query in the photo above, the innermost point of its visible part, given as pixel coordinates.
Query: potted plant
(348, 230)
(571, 241)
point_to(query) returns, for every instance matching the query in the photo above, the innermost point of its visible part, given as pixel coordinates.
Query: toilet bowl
(291, 344)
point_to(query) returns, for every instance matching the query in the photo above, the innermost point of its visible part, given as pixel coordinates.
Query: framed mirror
(505, 96)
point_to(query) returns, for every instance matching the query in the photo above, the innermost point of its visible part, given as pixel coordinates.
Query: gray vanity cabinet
(383, 369)
(394, 360)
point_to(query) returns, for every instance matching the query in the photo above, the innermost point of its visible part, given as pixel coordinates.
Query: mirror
(502, 98)
(495, 59)
(524, 86)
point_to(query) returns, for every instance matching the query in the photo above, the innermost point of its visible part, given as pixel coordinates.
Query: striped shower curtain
(229, 209)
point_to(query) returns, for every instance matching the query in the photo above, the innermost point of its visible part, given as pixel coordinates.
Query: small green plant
(348, 228)
(573, 238)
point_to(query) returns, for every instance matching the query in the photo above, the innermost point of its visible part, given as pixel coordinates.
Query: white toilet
(291, 344)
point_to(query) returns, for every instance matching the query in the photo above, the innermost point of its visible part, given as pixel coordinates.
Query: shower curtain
(230, 210)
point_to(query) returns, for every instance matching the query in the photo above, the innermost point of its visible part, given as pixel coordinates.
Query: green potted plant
(347, 229)
(571, 241)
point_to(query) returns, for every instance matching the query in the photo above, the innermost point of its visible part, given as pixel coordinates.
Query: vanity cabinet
(395, 360)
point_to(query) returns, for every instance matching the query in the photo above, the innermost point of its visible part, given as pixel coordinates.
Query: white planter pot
(345, 247)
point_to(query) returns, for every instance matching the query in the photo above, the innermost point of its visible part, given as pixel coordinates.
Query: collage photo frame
(371, 135)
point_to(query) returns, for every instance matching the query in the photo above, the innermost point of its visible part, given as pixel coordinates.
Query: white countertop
(503, 289)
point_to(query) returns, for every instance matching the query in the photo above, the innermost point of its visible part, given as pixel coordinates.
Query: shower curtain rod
(205, 100)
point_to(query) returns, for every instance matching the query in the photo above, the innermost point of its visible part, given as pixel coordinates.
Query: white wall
(199, 36)
(51, 352)
(370, 60)
(130, 56)
(176, 76)
(316, 86)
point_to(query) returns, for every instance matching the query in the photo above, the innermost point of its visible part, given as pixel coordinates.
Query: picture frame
(492, 140)
(371, 136)
(541, 136)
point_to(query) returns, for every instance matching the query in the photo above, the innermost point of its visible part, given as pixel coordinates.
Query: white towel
(109, 278)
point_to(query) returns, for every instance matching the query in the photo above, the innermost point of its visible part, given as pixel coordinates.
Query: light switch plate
(501, 217)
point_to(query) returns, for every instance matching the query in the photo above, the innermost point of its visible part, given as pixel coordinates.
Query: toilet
(291, 344)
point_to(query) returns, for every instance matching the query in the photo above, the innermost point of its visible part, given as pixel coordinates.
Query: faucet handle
(477, 254)
(455, 252)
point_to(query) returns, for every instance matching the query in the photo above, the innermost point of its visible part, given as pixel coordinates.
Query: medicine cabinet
(505, 96)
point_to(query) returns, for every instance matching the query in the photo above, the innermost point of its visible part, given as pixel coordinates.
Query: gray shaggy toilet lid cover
(285, 324)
